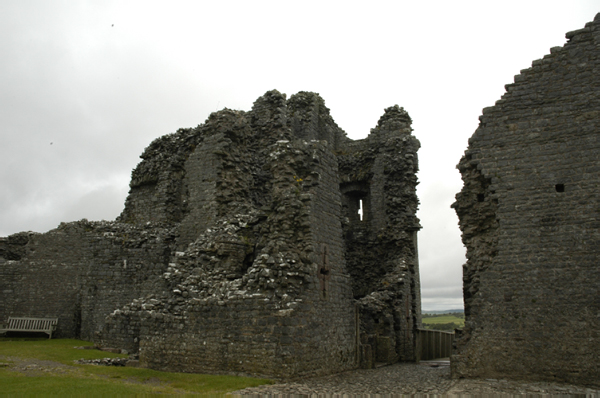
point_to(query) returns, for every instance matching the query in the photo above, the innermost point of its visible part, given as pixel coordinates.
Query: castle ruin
(241, 249)
(530, 218)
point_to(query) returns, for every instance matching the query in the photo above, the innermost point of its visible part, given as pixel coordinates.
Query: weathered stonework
(530, 216)
(241, 250)
(380, 171)
(80, 271)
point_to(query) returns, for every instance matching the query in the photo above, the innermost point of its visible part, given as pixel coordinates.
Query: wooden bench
(22, 324)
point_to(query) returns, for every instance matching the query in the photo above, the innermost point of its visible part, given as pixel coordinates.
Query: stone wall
(80, 272)
(157, 191)
(378, 174)
(121, 264)
(290, 313)
(530, 216)
(39, 275)
(239, 249)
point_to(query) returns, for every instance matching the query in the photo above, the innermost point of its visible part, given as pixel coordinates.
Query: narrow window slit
(360, 209)
(560, 187)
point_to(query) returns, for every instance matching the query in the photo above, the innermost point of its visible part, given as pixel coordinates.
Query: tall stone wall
(378, 175)
(530, 216)
(289, 314)
(239, 249)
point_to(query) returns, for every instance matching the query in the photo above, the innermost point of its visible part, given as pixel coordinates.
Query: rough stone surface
(80, 271)
(530, 218)
(241, 249)
(380, 173)
(409, 379)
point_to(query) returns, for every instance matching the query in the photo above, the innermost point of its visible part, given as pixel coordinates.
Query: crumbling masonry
(241, 249)
(530, 218)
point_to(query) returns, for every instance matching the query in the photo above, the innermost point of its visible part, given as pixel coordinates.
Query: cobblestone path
(410, 379)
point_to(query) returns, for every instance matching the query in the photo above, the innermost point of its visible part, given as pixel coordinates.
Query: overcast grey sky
(87, 85)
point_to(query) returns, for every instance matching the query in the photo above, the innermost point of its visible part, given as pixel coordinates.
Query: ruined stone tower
(530, 219)
(241, 249)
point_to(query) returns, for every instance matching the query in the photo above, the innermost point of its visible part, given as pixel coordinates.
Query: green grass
(446, 323)
(100, 380)
(444, 319)
(58, 350)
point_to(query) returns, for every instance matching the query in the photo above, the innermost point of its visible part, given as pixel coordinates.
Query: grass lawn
(26, 372)
(444, 319)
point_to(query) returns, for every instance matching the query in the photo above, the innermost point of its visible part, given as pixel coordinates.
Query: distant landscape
(458, 310)
(443, 320)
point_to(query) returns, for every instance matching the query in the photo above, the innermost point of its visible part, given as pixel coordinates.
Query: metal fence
(434, 344)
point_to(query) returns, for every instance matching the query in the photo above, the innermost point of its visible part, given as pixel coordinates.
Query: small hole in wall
(480, 197)
(560, 187)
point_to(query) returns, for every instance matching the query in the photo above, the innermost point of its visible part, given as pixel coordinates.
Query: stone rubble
(104, 361)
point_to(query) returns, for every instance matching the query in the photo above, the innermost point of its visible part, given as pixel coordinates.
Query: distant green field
(444, 319)
(443, 322)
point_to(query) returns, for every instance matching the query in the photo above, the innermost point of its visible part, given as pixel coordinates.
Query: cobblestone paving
(410, 379)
